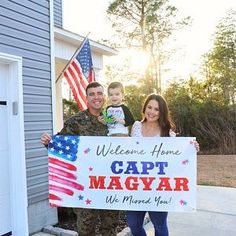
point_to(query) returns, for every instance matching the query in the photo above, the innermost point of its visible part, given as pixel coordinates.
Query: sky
(83, 16)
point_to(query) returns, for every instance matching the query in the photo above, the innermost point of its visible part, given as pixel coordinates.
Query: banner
(123, 173)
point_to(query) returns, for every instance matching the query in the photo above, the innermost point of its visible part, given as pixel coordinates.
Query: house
(33, 50)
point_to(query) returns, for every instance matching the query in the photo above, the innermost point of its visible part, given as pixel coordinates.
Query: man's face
(95, 98)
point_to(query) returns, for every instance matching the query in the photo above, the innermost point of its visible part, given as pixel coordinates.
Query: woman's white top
(136, 130)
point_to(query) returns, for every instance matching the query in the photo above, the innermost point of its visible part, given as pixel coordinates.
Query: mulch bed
(67, 220)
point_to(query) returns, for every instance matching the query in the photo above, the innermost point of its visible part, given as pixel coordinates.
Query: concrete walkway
(215, 216)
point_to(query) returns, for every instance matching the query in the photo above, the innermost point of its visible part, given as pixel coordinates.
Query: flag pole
(76, 52)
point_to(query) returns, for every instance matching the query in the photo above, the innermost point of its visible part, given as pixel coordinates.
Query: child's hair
(114, 85)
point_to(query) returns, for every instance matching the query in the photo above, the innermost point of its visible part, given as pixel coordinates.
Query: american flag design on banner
(79, 73)
(117, 173)
(62, 151)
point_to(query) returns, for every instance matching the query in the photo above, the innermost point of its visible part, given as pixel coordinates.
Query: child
(120, 115)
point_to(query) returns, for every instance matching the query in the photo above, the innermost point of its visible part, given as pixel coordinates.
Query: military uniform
(85, 124)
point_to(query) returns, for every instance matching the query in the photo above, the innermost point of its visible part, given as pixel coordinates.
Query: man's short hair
(93, 85)
(114, 85)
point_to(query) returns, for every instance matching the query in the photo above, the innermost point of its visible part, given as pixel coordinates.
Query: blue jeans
(158, 219)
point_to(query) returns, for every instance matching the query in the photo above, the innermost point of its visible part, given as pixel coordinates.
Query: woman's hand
(45, 138)
(196, 145)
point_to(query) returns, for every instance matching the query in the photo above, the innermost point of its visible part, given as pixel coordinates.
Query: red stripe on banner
(54, 197)
(66, 182)
(61, 189)
(57, 171)
(54, 205)
(62, 164)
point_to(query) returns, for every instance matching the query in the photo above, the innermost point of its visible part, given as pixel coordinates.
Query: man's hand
(101, 120)
(45, 138)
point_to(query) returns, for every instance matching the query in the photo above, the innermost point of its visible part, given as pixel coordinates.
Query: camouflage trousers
(90, 219)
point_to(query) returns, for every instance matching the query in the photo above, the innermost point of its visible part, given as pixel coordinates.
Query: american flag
(79, 73)
(62, 152)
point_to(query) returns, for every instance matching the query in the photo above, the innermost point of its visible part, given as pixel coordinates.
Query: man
(85, 123)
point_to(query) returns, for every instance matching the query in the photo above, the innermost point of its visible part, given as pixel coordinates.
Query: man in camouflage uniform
(86, 123)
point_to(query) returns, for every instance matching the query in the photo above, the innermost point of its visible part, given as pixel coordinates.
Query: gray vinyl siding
(57, 13)
(25, 32)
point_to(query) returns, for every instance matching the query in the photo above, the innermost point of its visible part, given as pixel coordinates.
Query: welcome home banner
(123, 173)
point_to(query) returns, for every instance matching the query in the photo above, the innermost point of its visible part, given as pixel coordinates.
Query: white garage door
(5, 211)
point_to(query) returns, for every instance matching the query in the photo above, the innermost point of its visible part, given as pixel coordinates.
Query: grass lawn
(216, 170)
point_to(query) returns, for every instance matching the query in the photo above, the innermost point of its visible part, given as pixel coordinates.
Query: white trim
(75, 39)
(18, 187)
(53, 81)
(59, 106)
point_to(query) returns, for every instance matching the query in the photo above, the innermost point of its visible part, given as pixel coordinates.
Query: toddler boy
(120, 115)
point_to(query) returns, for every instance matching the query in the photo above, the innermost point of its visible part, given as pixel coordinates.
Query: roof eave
(76, 39)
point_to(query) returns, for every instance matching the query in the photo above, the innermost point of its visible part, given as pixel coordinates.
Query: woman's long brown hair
(165, 120)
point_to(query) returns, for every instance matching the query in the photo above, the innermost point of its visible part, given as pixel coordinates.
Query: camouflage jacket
(84, 124)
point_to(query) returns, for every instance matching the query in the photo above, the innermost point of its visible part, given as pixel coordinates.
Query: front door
(5, 203)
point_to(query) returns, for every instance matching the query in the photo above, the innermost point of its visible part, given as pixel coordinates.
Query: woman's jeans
(158, 219)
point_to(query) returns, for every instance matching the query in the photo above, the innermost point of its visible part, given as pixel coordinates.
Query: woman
(156, 123)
